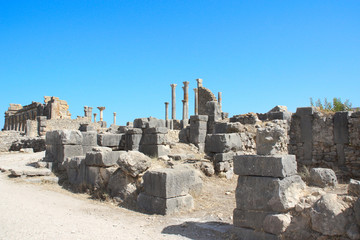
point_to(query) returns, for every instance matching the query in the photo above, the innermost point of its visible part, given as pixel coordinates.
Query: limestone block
(86, 128)
(195, 118)
(357, 211)
(249, 218)
(132, 140)
(222, 142)
(169, 182)
(154, 130)
(165, 206)
(268, 166)
(74, 162)
(122, 185)
(276, 223)
(328, 216)
(279, 115)
(197, 136)
(103, 158)
(59, 153)
(155, 139)
(322, 177)
(155, 150)
(63, 137)
(224, 157)
(341, 129)
(134, 163)
(141, 123)
(110, 140)
(155, 123)
(213, 109)
(98, 177)
(354, 188)
(134, 131)
(249, 234)
(89, 138)
(267, 193)
(271, 140)
(201, 125)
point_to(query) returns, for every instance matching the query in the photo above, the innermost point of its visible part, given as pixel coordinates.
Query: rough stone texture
(164, 206)
(322, 177)
(134, 163)
(110, 140)
(64, 137)
(204, 96)
(249, 219)
(155, 150)
(249, 234)
(213, 110)
(270, 166)
(276, 223)
(103, 157)
(169, 183)
(357, 211)
(59, 153)
(132, 139)
(207, 168)
(354, 188)
(218, 143)
(198, 129)
(249, 118)
(154, 139)
(328, 216)
(89, 138)
(122, 186)
(270, 194)
(271, 140)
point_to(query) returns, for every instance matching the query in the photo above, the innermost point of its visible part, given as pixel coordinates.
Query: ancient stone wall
(204, 96)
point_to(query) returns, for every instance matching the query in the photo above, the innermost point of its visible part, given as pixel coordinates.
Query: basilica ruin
(286, 164)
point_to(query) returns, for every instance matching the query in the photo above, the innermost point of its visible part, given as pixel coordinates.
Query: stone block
(123, 186)
(154, 139)
(267, 193)
(134, 131)
(197, 136)
(59, 153)
(195, 118)
(63, 137)
(322, 177)
(155, 150)
(103, 158)
(250, 234)
(89, 138)
(110, 140)
(134, 163)
(213, 109)
(164, 206)
(279, 115)
(305, 111)
(354, 188)
(222, 142)
(86, 128)
(224, 157)
(140, 123)
(74, 162)
(155, 123)
(155, 130)
(271, 140)
(276, 223)
(341, 128)
(132, 141)
(249, 219)
(198, 125)
(267, 166)
(169, 182)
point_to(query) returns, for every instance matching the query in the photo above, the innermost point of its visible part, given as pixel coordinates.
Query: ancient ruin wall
(204, 95)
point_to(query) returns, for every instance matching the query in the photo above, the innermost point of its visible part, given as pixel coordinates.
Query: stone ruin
(273, 154)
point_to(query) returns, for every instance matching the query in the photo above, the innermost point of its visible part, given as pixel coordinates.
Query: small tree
(336, 106)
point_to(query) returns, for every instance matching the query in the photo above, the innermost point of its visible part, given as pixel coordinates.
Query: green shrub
(336, 106)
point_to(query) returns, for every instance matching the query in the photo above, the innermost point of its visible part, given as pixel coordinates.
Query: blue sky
(125, 54)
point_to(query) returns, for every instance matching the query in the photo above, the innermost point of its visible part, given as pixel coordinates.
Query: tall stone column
(101, 109)
(186, 101)
(95, 117)
(89, 114)
(196, 109)
(166, 111)
(114, 118)
(199, 82)
(86, 111)
(219, 98)
(173, 101)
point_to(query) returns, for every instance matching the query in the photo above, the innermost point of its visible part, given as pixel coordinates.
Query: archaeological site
(273, 175)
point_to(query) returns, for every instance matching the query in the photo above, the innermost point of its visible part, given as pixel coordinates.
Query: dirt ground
(47, 211)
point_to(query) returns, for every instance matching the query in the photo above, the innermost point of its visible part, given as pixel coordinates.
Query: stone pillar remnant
(186, 101)
(199, 82)
(95, 117)
(196, 102)
(101, 112)
(173, 101)
(219, 98)
(114, 118)
(166, 111)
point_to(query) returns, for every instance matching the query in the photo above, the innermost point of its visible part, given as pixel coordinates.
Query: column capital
(173, 85)
(199, 82)
(101, 108)
(186, 83)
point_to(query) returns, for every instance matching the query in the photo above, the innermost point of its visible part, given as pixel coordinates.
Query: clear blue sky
(125, 54)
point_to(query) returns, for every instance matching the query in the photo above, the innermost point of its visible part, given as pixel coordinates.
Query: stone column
(199, 82)
(114, 118)
(101, 109)
(196, 102)
(86, 111)
(166, 111)
(186, 101)
(173, 101)
(95, 117)
(89, 114)
(219, 98)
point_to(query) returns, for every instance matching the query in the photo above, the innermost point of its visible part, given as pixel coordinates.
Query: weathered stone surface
(322, 177)
(270, 194)
(110, 140)
(197, 136)
(249, 218)
(141, 123)
(341, 128)
(134, 131)
(132, 139)
(123, 186)
(168, 182)
(59, 153)
(354, 188)
(207, 168)
(30, 171)
(328, 216)
(224, 157)
(357, 211)
(154, 139)
(103, 158)
(276, 223)
(195, 118)
(155, 130)
(97, 177)
(89, 138)
(218, 143)
(155, 123)
(165, 206)
(201, 125)
(134, 163)
(64, 137)
(155, 150)
(249, 234)
(271, 140)
(270, 166)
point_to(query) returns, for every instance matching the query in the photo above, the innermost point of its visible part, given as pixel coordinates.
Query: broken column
(219, 98)
(185, 117)
(167, 122)
(196, 101)
(268, 188)
(167, 190)
(198, 128)
(114, 118)
(173, 101)
(95, 117)
(154, 142)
